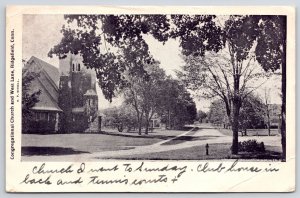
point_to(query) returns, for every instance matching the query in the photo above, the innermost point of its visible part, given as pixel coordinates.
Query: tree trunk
(139, 116)
(283, 113)
(147, 123)
(140, 126)
(269, 127)
(268, 120)
(147, 127)
(283, 90)
(235, 128)
(169, 119)
(245, 132)
(140, 122)
(236, 113)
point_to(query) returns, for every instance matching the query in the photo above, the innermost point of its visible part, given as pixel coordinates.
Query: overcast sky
(41, 32)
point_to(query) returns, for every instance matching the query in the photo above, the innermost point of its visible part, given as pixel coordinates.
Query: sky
(42, 32)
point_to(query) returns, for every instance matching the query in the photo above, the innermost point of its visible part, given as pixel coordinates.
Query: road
(200, 134)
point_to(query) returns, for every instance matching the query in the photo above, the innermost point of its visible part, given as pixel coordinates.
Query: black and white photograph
(151, 93)
(157, 87)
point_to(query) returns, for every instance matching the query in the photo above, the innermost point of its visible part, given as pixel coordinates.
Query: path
(214, 137)
(200, 134)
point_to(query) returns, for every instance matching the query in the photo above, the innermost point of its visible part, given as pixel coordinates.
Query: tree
(217, 114)
(144, 93)
(201, 115)
(267, 109)
(29, 97)
(251, 113)
(177, 107)
(213, 75)
(241, 36)
(111, 45)
(198, 34)
(120, 117)
(271, 54)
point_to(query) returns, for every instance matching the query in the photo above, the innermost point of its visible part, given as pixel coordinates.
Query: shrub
(251, 146)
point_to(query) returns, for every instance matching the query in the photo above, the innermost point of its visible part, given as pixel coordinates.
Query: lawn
(156, 133)
(185, 138)
(251, 132)
(216, 151)
(59, 144)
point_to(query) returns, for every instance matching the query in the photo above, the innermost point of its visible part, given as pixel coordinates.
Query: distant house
(68, 101)
(155, 122)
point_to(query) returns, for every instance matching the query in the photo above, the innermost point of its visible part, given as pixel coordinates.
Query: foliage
(271, 44)
(251, 113)
(246, 38)
(201, 115)
(144, 93)
(240, 35)
(197, 34)
(271, 54)
(111, 44)
(217, 113)
(177, 106)
(251, 146)
(120, 118)
(29, 97)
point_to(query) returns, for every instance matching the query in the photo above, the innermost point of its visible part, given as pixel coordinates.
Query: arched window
(78, 66)
(73, 67)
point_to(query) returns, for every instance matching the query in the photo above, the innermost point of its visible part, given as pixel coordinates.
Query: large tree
(177, 106)
(271, 54)
(245, 38)
(111, 44)
(144, 93)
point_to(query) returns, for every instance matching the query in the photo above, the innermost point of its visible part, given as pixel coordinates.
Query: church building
(68, 102)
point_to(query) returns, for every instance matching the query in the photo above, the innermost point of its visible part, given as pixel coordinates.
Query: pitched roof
(47, 82)
(51, 70)
(47, 99)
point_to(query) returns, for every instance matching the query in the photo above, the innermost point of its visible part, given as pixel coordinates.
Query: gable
(46, 100)
(47, 81)
(51, 71)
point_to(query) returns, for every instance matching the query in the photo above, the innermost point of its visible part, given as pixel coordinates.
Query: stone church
(68, 102)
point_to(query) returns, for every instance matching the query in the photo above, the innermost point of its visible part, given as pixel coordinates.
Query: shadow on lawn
(185, 138)
(35, 150)
(268, 155)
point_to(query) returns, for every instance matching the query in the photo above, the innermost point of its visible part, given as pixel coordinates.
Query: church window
(73, 67)
(42, 116)
(78, 66)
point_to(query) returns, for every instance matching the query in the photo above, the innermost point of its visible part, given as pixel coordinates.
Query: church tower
(77, 94)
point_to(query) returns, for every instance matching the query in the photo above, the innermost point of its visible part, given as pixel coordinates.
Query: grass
(251, 132)
(80, 143)
(216, 151)
(185, 138)
(156, 133)
(73, 144)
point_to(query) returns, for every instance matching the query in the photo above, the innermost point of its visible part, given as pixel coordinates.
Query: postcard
(150, 99)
